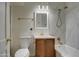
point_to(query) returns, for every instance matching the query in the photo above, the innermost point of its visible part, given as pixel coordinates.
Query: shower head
(59, 9)
(65, 7)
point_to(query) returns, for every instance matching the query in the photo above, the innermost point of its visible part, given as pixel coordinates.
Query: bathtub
(66, 51)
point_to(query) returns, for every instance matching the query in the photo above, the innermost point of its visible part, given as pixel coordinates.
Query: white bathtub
(66, 51)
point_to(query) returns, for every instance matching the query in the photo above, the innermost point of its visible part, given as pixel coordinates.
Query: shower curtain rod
(25, 18)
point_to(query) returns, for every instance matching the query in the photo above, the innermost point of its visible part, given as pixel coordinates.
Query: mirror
(41, 20)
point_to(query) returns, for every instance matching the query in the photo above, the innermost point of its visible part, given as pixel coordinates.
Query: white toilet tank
(25, 41)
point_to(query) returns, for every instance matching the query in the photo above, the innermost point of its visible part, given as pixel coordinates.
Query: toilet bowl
(24, 45)
(22, 53)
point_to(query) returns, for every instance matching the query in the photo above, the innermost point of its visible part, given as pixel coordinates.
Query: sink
(44, 36)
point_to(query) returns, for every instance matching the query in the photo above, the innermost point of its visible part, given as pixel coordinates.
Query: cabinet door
(40, 47)
(50, 51)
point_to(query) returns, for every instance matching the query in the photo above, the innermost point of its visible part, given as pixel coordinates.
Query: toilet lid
(22, 53)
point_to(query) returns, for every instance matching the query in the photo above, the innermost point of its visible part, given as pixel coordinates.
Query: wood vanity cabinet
(45, 47)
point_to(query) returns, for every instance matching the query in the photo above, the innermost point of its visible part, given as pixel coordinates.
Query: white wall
(72, 25)
(53, 18)
(14, 32)
(20, 28)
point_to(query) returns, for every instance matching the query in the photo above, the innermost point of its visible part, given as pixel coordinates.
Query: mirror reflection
(41, 20)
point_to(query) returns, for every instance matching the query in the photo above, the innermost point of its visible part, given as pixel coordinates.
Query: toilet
(24, 51)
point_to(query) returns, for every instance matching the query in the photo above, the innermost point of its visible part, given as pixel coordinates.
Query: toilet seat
(22, 53)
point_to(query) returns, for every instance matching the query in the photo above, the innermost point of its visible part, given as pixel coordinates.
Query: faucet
(59, 40)
(41, 33)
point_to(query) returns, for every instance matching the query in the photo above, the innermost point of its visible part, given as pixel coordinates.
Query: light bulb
(39, 7)
(43, 7)
(47, 7)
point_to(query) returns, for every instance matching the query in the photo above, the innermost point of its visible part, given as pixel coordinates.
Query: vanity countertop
(44, 36)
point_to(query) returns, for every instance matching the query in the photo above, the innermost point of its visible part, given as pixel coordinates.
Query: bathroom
(28, 24)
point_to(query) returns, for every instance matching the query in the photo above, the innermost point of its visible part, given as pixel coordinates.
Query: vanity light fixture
(43, 7)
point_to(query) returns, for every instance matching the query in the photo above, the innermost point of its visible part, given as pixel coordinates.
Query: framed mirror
(41, 20)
